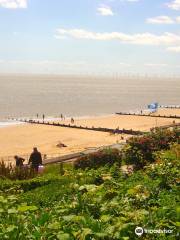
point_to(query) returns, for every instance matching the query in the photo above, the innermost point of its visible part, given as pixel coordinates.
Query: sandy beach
(21, 139)
(168, 111)
(140, 123)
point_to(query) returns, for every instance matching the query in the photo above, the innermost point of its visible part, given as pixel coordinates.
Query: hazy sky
(90, 36)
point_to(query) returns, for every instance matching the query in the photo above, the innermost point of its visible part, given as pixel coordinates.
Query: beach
(20, 139)
(137, 123)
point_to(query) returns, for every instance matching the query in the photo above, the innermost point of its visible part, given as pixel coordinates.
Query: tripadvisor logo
(139, 231)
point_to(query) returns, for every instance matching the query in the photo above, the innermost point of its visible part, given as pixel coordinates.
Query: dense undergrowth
(95, 203)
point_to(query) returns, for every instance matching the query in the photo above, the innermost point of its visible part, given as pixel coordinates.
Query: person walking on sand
(35, 159)
(72, 120)
(19, 161)
(43, 116)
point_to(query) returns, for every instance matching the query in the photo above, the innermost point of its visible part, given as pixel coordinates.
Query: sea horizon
(79, 96)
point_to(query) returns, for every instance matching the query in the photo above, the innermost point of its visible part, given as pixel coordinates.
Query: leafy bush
(13, 173)
(98, 203)
(140, 150)
(98, 159)
(75, 208)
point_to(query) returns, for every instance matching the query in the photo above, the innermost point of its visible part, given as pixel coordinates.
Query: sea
(76, 96)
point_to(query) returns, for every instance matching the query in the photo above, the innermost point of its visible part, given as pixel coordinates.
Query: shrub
(140, 150)
(100, 158)
(15, 173)
(74, 206)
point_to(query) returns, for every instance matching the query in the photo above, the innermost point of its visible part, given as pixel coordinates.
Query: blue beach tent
(153, 107)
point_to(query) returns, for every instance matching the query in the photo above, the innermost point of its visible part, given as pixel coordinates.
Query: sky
(90, 37)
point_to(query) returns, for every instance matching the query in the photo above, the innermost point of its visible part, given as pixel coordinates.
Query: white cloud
(155, 65)
(138, 38)
(174, 49)
(175, 4)
(105, 11)
(163, 20)
(160, 20)
(178, 19)
(13, 3)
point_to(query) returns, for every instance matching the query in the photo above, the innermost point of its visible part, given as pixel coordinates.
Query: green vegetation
(100, 158)
(13, 173)
(141, 150)
(100, 202)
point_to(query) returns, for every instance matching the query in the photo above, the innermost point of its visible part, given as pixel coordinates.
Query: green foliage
(94, 204)
(98, 159)
(140, 150)
(13, 173)
(28, 185)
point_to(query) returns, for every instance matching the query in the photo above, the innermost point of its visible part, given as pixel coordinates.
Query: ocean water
(7, 123)
(27, 95)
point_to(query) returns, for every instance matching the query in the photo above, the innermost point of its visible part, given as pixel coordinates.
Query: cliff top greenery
(98, 201)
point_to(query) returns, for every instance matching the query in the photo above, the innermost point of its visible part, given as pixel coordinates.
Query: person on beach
(19, 161)
(72, 120)
(43, 116)
(35, 159)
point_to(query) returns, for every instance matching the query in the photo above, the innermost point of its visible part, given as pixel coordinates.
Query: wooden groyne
(170, 106)
(148, 115)
(99, 129)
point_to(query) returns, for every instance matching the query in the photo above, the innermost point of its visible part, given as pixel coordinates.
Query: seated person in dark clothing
(19, 161)
(35, 159)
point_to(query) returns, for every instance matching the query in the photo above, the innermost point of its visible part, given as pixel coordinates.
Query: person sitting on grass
(19, 161)
(35, 159)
